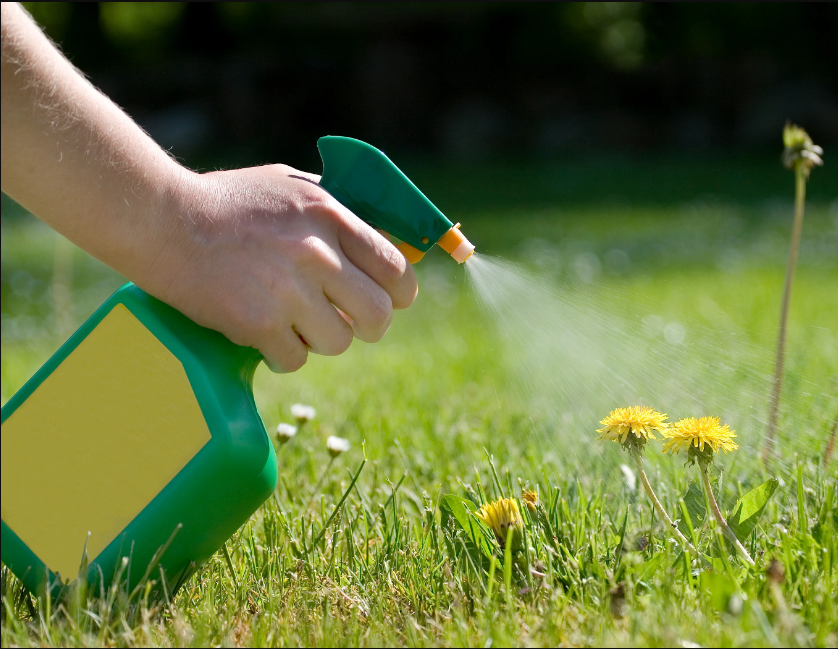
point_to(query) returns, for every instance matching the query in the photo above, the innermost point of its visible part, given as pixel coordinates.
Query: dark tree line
(468, 81)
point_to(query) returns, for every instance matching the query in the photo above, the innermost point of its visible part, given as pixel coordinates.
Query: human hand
(268, 258)
(263, 255)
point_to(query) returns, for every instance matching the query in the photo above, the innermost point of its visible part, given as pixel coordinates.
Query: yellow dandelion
(500, 516)
(530, 499)
(632, 426)
(701, 438)
(695, 434)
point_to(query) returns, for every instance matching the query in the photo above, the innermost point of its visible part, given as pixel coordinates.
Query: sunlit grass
(421, 407)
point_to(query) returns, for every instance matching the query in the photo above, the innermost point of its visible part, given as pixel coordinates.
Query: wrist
(165, 230)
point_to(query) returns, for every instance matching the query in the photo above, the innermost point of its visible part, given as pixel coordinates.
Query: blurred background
(242, 83)
(635, 147)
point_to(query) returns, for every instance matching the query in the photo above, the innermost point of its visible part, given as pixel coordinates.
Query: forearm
(263, 255)
(73, 158)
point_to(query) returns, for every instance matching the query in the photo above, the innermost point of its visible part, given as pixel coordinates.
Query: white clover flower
(302, 413)
(336, 445)
(285, 432)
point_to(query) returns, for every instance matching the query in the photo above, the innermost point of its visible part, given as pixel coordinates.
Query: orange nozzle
(413, 255)
(455, 244)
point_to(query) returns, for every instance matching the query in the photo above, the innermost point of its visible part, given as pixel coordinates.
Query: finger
(323, 328)
(368, 306)
(284, 351)
(380, 260)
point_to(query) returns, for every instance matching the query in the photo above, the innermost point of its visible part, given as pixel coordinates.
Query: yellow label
(96, 442)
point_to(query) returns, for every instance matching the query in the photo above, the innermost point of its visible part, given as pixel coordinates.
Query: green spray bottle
(137, 450)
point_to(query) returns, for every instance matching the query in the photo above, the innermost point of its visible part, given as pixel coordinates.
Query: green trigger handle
(365, 181)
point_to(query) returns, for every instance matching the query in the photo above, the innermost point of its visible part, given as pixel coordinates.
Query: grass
(421, 407)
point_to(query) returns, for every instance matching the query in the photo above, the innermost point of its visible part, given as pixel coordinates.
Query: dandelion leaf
(718, 588)
(647, 570)
(618, 554)
(715, 564)
(749, 508)
(694, 500)
(479, 540)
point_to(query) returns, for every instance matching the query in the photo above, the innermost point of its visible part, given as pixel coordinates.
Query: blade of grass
(493, 562)
(802, 521)
(507, 566)
(154, 561)
(230, 565)
(495, 478)
(337, 508)
(618, 555)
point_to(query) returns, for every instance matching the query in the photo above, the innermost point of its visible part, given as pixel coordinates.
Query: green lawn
(611, 271)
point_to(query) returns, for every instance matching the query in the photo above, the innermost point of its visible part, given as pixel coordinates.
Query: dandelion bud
(337, 445)
(285, 432)
(500, 516)
(800, 150)
(530, 499)
(302, 413)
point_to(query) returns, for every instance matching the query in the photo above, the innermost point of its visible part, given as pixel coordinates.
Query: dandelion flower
(699, 437)
(530, 499)
(632, 426)
(302, 413)
(284, 432)
(500, 516)
(337, 445)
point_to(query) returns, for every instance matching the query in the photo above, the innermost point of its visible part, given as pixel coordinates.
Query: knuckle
(316, 254)
(243, 326)
(339, 341)
(310, 201)
(294, 358)
(393, 267)
(406, 291)
(261, 325)
(323, 205)
(381, 312)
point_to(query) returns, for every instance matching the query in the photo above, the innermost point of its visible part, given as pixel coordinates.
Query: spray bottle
(137, 450)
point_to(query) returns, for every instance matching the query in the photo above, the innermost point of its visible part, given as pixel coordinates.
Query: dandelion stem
(659, 508)
(722, 522)
(800, 173)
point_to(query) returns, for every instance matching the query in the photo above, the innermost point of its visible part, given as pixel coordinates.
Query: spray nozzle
(364, 180)
(455, 244)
